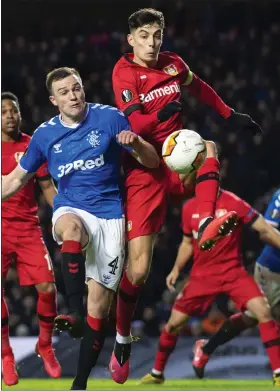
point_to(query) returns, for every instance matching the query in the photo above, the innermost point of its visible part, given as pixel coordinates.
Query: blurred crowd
(234, 46)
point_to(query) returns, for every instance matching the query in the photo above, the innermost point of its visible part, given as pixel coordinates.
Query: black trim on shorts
(132, 108)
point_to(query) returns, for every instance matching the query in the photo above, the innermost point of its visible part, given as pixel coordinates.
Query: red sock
(167, 343)
(207, 187)
(47, 311)
(127, 300)
(5, 342)
(271, 339)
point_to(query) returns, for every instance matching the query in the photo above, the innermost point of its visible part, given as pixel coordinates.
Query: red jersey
(19, 213)
(150, 89)
(226, 254)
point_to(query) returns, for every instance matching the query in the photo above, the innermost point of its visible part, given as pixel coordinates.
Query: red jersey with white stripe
(226, 255)
(19, 213)
(150, 89)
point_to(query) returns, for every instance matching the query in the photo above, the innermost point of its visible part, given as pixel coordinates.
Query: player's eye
(63, 92)
(144, 36)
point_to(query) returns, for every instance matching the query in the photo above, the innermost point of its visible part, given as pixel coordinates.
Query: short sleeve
(246, 213)
(186, 219)
(125, 90)
(33, 157)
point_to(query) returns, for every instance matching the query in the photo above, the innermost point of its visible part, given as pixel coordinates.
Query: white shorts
(105, 249)
(269, 283)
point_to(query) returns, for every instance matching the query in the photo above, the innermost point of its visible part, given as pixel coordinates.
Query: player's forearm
(49, 195)
(271, 236)
(10, 186)
(205, 94)
(142, 124)
(146, 154)
(184, 255)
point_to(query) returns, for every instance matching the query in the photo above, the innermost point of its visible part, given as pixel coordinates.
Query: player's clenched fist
(130, 139)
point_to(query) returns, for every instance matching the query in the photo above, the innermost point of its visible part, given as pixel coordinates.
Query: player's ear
(130, 39)
(52, 99)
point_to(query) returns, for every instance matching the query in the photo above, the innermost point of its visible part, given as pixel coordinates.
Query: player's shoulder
(25, 137)
(52, 123)
(170, 56)
(123, 64)
(107, 113)
(276, 197)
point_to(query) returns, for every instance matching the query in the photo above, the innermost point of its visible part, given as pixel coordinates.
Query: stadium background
(232, 45)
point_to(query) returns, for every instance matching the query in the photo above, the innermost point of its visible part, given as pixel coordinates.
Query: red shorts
(200, 292)
(147, 196)
(31, 258)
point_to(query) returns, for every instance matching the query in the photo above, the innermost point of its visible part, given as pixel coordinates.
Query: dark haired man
(83, 148)
(147, 86)
(22, 243)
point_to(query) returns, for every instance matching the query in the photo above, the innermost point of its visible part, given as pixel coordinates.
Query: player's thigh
(68, 224)
(34, 264)
(176, 321)
(140, 252)
(242, 289)
(269, 282)
(105, 252)
(196, 296)
(145, 203)
(8, 247)
(99, 299)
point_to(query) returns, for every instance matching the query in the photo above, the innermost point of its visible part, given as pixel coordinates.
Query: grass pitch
(105, 384)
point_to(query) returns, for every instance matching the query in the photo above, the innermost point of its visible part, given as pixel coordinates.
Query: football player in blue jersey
(267, 275)
(82, 146)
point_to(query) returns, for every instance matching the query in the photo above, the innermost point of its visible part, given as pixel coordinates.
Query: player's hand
(172, 278)
(168, 110)
(128, 139)
(238, 121)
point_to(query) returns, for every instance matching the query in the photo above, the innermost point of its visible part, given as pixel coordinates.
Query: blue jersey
(270, 256)
(84, 159)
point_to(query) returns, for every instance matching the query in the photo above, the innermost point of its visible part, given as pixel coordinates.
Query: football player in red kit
(214, 272)
(147, 87)
(22, 242)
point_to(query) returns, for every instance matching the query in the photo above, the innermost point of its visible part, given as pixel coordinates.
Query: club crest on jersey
(18, 156)
(127, 96)
(93, 138)
(171, 70)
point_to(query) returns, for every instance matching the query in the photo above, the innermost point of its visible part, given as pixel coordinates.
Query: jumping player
(267, 275)
(22, 242)
(83, 148)
(215, 272)
(147, 86)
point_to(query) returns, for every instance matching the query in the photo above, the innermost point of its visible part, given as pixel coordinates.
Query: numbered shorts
(200, 292)
(147, 195)
(105, 249)
(30, 257)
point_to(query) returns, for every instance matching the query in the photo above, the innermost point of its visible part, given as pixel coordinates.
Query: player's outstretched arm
(206, 94)
(14, 181)
(49, 190)
(267, 232)
(142, 151)
(183, 256)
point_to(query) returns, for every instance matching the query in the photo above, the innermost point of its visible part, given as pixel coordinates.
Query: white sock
(155, 372)
(203, 221)
(123, 340)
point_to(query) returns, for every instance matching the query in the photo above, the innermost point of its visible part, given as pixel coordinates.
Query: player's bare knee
(45, 287)
(73, 230)
(138, 272)
(173, 328)
(211, 149)
(99, 308)
(263, 314)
